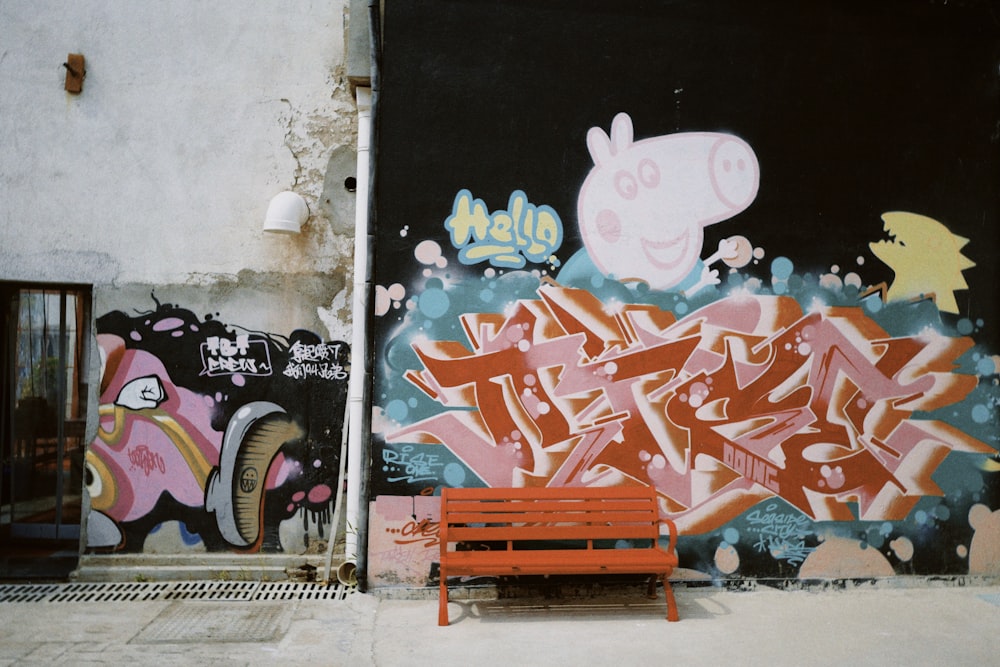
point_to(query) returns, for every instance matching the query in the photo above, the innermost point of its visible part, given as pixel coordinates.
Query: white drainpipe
(355, 397)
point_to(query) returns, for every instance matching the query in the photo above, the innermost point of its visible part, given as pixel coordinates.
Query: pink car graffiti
(155, 438)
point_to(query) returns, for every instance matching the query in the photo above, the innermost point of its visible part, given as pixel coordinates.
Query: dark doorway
(43, 410)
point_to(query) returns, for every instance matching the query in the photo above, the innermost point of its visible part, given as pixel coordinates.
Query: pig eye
(649, 173)
(609, 227)
(625, 184)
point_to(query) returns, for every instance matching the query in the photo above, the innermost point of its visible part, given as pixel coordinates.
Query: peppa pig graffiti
(643, 207)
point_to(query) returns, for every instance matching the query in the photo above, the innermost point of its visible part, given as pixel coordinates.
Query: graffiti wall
(211, 436)
(749, 263)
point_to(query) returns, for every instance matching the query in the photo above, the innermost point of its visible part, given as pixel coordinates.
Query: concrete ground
(939, 625)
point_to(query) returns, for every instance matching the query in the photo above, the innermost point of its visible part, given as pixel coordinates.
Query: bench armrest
(673, 534)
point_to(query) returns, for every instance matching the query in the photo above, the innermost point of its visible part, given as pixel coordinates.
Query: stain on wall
(653, 277)
(223, 435)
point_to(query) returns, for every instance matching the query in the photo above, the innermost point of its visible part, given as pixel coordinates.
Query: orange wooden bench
(553, 531)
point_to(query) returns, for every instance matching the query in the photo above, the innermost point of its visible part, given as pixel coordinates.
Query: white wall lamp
(286, 213)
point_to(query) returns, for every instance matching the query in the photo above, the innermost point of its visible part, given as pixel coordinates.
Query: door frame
(72, 341)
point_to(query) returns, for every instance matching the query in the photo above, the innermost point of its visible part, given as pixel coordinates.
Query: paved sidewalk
(947, 625)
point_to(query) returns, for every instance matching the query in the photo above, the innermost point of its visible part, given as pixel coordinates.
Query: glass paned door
(46, 330)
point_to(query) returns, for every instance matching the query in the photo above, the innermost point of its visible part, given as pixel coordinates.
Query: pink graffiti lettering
(145, 459)
(750, 466)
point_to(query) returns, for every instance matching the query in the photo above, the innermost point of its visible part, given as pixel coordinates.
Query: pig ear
(603, 147)
(599, 145)
(621, 133)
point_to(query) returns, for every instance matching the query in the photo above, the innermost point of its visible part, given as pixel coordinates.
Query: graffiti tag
(146, 460)
(424, 532)
(315, 361)
(222, 356)
(781, 534)
(504, 238)
(418, 467)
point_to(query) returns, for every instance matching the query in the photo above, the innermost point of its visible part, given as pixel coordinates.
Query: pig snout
(734, 172)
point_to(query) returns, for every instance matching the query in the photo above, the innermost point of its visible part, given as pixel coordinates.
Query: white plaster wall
(193, 114)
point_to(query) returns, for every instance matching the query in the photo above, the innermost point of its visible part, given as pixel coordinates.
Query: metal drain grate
(27, 593)
(108, 592)
(213, 591)
(283, 590)
(208, 591)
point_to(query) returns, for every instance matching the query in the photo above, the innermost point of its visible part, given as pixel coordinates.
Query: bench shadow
(692, 603)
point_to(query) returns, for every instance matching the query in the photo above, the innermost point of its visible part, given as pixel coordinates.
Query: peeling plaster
(261, 301)
(337, 317)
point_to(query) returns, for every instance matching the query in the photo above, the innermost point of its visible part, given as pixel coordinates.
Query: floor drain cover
(205, 591)
(222, 591)
(196, 622)
(280, 590)
(109, 592)
(27, 592)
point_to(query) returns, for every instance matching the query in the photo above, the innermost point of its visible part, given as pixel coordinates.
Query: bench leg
(651, 587)
(672, 614)
(443, 602)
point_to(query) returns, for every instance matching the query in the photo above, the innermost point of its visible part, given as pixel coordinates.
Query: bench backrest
(548, 514)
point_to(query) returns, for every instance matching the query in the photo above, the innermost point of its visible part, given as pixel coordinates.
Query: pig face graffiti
(643, 207)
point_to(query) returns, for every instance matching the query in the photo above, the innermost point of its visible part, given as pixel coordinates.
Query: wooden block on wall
(75, 71)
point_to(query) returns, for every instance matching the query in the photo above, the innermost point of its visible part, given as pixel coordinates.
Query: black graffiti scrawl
(225, 431)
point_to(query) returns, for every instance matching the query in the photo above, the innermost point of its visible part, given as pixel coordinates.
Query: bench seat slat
(549, 493)
(527, 517)
(551, 533)
(594, 561)
(566, 505)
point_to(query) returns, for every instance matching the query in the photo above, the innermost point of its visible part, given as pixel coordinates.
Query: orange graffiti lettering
(745, 399)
